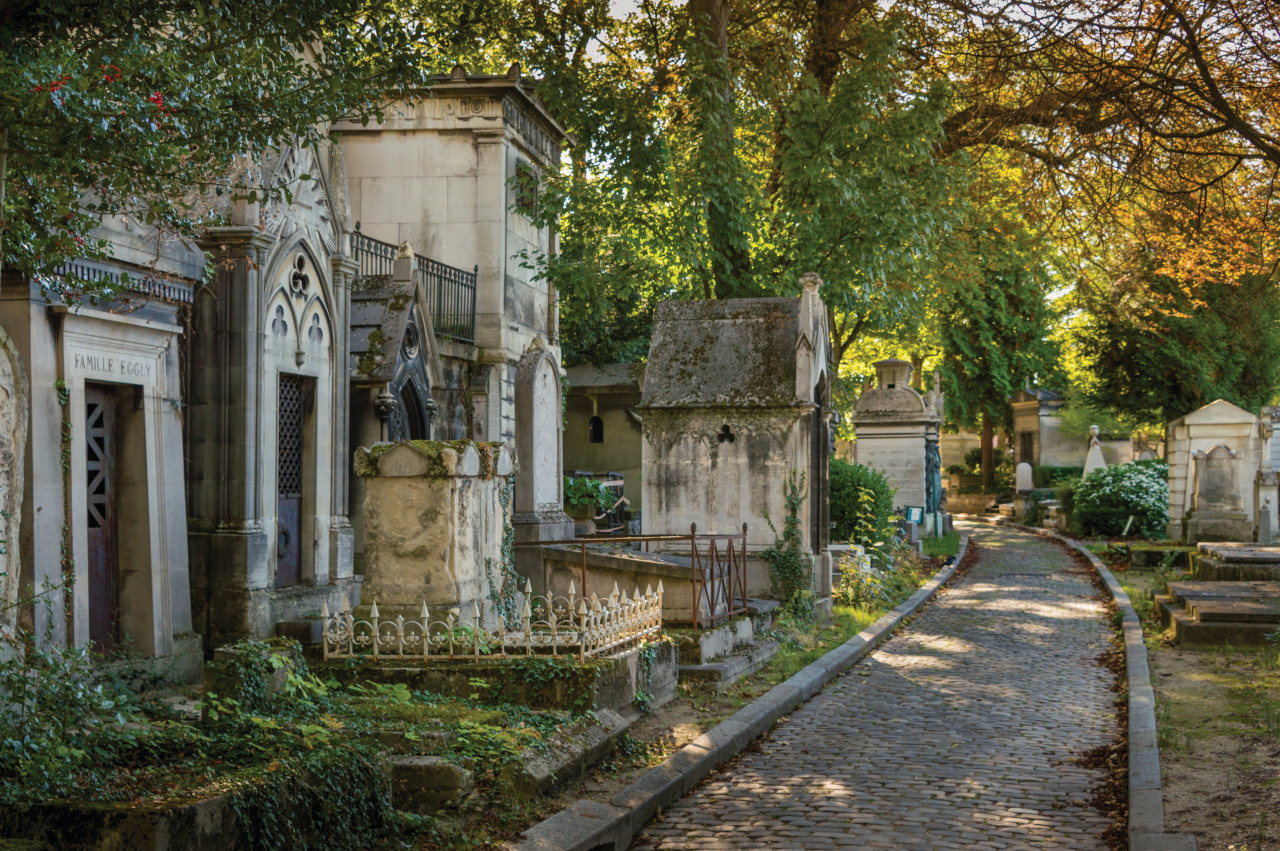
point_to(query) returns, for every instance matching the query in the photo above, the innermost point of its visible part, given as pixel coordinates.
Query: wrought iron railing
(570, 625)
(717, 574)
(451, 292)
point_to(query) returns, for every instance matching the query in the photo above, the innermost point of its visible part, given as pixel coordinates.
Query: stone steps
(724, 672)
(1218, 612)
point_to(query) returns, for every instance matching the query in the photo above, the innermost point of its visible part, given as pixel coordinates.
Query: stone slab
(725, 672)
(1244, 590)
(1218, 570)
(1241, 552)
(1243, 611)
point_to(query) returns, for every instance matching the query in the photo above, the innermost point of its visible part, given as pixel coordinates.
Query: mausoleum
(736, 400)
(897, 431)
(268, 385)
(102, 525)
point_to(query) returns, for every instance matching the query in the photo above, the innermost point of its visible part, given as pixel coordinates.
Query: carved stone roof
(380, 308)
(606, 378)
(723, 352)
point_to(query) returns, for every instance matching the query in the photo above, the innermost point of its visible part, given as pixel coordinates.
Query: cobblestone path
(959, 732)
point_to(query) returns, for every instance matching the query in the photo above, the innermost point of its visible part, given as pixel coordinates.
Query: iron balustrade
(451, 292)
(717, 570)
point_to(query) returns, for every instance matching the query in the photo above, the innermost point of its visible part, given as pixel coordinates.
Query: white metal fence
(570, 625)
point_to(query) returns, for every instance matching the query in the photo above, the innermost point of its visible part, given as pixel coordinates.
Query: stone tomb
(395, 367)
(267, 424)
(736, 399)
(897, 431)
(436, 516)
(102, 530)
(1235, 598)
(1214, 456)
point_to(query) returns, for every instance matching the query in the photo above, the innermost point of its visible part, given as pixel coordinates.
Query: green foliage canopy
(1154, 348)
(144, 108)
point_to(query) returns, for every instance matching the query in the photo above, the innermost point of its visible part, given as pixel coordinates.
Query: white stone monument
(1094, 460)
(1243, 438)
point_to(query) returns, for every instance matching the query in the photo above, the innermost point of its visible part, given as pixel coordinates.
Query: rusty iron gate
(717, 575)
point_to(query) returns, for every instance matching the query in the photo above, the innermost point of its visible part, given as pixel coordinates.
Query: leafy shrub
(861, 505)
(1046, 476)
(1103, 502)
(63, 714)
(581, 492)
(973, 458)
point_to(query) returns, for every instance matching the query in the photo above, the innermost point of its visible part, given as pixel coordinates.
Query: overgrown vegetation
(789, 566)
(861, 501)
(864, 584)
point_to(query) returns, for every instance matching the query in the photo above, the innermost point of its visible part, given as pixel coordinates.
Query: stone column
(228, 546)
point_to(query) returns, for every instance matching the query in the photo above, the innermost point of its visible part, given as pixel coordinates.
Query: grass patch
(946, 545)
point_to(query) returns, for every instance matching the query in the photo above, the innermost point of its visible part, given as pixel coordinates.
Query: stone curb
(593, 826)
(1146, 798)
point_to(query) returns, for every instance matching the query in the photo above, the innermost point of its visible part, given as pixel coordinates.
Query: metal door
(100, 498)
(289, 443)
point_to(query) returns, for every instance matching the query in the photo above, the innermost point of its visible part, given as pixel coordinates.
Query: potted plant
(584, 498)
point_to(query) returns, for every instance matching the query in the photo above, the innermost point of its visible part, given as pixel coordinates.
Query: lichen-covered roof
(380, 309)
(615, 377)
(725, 352)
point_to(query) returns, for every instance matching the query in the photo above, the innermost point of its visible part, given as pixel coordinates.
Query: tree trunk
(730, 259)
(988, 453)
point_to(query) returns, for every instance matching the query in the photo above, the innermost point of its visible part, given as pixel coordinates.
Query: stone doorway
(101, 454)
(290, 474)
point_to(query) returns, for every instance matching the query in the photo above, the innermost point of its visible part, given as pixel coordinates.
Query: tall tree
(1154, 348)
(993, 312)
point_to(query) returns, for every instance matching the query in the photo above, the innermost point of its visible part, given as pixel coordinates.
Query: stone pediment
(1216, 413)
(381, 309)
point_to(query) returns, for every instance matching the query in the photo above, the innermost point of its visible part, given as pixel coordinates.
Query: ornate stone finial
(458, 72)
(811, 280)
(404, 252)
(514, 71)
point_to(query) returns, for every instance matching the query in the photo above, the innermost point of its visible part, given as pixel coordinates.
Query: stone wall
(436, 520)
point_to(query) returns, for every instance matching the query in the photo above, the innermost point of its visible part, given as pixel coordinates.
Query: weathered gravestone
(1217, 512)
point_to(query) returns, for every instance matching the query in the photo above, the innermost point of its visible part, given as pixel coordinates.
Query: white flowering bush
(1105, 500)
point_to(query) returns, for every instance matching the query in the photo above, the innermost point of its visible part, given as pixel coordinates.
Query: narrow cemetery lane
(961, 732)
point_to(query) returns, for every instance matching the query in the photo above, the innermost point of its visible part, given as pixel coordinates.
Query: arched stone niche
(538, 491)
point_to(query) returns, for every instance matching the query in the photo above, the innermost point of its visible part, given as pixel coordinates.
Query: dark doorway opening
(101, 499)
